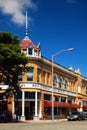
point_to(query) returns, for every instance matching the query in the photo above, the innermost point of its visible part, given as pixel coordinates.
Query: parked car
(76, 116)
(2, 116)
(85, 112)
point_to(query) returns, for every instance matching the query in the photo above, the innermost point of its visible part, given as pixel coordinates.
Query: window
(54, 81)
(47, 97)
(44, 77)
(30, 51)
(79, 87)
(60, 82)
(86, 90)
(69, 100)
(29, 95)
(66, 84)
(30, 74)
(48, 78)
(38, 75)
(63, 99)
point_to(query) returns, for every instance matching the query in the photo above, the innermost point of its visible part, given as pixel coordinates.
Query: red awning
(60, 104)
(84, 107)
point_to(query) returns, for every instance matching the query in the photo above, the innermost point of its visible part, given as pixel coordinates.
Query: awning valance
(84, 107)
(60, 104)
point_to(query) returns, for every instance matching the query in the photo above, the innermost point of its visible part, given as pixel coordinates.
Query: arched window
(54, 81)
(60, 82)
(66, 84)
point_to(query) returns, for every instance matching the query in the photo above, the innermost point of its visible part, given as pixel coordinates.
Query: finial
(26, 24)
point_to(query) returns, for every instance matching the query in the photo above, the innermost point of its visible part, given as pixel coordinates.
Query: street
(46, 125)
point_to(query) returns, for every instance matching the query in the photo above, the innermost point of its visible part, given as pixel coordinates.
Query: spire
(26, 25)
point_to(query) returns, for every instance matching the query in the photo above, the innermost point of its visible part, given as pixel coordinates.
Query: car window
(75, 113)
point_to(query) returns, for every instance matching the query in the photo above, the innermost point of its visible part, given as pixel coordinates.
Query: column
(40, 114)
(23, 106)
(13, 108)
(36, 115)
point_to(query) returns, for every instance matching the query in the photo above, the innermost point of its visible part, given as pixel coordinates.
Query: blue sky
(56, 24)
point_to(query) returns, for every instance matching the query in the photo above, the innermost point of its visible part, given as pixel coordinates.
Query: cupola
(28, 47)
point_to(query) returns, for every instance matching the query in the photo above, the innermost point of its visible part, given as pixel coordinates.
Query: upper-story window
(79, 87)
(86, 90)
(60, 82)
(66, 84)
(54, 81)
(30, 74)
(38, 75)
(30, 51)
(44, 77)
(48, 78)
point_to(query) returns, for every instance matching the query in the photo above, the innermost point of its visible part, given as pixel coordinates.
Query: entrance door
(29, 110)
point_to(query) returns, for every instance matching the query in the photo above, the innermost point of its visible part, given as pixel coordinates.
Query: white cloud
(15, 8)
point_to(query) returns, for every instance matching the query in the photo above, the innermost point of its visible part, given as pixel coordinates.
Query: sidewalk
(46, 121)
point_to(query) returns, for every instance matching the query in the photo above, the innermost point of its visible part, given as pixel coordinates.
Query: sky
(55, 24)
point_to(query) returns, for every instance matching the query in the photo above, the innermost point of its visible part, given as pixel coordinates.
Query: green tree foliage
(12, 61)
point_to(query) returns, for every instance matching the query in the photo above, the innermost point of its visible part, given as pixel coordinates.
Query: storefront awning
(60, 104)
(84, 107)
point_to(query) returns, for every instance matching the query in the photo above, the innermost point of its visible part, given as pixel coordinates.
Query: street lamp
(69, 49)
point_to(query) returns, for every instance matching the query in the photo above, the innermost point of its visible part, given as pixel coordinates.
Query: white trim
(4, 86)
(47, 88)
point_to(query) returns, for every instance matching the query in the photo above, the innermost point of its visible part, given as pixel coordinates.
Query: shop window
(63, 99)
(18, 95)
(84, 102)
(47, 97)
(30, 74)
(69, 100)
(57, 98)
(29, 95)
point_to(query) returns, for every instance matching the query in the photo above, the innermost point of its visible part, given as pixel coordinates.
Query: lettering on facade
(46, 88)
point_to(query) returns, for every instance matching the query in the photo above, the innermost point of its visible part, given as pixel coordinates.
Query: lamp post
(69, 49)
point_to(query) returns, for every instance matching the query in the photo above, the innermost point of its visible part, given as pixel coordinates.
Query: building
(35, 99)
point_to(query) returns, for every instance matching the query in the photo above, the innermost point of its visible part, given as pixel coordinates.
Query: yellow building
(69, 89)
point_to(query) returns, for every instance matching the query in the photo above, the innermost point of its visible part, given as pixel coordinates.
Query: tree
(12, 61)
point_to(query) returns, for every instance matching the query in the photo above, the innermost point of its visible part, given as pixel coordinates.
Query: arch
(60, 79)
(66, 84)
(54, 80)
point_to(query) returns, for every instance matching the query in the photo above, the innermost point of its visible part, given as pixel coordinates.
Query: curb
(44, 121)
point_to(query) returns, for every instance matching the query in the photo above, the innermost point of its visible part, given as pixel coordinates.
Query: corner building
(35, 99)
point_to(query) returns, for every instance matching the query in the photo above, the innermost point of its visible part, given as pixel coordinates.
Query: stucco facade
(34, 101)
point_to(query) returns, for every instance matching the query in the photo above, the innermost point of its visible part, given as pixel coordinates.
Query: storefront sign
(46, 88)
